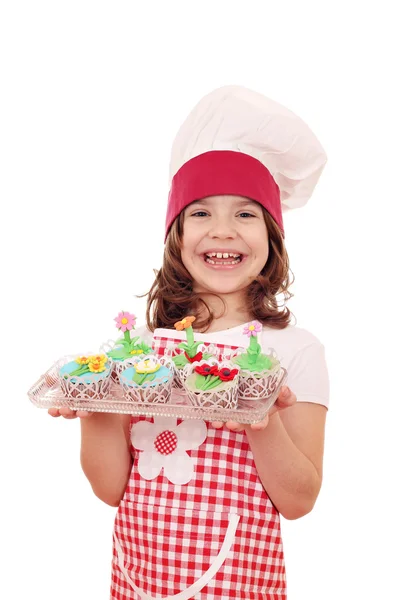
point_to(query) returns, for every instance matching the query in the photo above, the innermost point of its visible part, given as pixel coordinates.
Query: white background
(92, 96)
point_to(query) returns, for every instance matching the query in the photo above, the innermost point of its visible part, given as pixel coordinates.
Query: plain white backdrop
(92, 94)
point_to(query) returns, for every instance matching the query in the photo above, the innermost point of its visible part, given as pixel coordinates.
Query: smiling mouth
(223, 258)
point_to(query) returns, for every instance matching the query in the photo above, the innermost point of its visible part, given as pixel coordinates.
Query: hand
(285, 399)
(68, 413)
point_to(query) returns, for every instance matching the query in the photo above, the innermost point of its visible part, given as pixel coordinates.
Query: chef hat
(236, 141)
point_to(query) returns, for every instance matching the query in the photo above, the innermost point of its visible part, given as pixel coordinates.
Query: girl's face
(225, 243)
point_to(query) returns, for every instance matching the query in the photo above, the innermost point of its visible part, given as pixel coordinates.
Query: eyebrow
(240, 203)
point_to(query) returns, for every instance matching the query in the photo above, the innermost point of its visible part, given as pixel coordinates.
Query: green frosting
(262, 362)
(128, 347)
(141, 378)
(207, 383)
(253, 359)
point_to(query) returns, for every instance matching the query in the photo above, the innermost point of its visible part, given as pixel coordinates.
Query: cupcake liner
(118, 365)
(259, 385)
(224, 398)
(157, 391)
(179, 376)
(89, 386)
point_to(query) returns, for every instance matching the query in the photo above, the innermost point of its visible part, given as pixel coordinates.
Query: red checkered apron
(216, 537)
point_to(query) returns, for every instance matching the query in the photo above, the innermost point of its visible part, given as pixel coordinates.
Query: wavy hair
(171, 296)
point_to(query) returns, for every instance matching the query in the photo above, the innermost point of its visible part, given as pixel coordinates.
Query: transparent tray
(47, 393)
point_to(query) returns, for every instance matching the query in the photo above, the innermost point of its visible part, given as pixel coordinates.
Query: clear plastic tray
(47, 393)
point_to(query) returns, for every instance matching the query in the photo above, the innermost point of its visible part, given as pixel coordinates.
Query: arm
(105, 455)
(288, 455)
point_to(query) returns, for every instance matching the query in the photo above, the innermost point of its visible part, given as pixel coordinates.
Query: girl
(237, 161)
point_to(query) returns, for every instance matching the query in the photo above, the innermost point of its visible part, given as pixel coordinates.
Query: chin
(223, 287)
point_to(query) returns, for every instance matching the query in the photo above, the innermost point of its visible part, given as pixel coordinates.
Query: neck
(229, 310)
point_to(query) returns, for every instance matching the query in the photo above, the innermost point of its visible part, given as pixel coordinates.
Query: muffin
(212, 384)
(188, 352)
(126, 347)
(148, 379)
(86, 377)
(259, 372)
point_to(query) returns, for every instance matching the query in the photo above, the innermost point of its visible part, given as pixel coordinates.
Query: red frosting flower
(226, 374)
(206, 370)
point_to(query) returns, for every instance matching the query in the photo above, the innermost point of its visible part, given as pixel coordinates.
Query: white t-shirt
(299, 351)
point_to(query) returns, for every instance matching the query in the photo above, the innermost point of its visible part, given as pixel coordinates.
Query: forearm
(105, 456)
(288, 476)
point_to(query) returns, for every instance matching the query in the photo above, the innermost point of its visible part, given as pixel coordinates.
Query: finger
(83, 414)
(233, 426)
(67, 413)
(286, 397)
(53, 412)
(217, 424)
(261, 424)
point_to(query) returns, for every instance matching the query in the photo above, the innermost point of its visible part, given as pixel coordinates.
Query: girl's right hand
(68, 413)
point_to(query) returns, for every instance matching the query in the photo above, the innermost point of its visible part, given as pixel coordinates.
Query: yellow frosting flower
(149, 365)
(97, 358)
(97, 367)
(82, 360)
(136, 351)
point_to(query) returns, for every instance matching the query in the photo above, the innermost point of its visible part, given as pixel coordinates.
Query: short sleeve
(308, 375)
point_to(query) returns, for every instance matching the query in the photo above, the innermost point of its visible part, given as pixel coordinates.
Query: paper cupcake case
(258, 385)
(225, 398)
(157, 391)
(179, 374)
(47, 393)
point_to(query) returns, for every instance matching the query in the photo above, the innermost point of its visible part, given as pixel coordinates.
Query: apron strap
(204, 579)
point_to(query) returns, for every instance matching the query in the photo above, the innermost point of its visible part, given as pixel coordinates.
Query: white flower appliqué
(164, 445)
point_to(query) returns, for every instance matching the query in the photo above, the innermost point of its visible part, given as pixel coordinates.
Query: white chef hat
(237, 141)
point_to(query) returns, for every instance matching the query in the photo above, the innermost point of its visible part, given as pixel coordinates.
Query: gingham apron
(216, 537)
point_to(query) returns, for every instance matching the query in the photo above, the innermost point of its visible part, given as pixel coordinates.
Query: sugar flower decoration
(252, 329)
(82, 360)
(97, 367)
(190, 353)
(184, 323)
(90, 364)
(149, 365)
(163, 445)
(125, 321)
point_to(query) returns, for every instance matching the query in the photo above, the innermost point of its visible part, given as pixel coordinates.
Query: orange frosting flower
(184, 324)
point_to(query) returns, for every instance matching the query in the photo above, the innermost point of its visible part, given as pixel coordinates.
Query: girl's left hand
(285, 399)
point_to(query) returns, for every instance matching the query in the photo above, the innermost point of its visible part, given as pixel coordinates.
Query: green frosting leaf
(141, 378)
(180, 360)
(207, 383)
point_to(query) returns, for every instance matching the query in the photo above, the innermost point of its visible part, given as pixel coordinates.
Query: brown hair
(171, 296)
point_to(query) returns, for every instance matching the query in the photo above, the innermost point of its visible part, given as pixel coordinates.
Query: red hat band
(220, 172)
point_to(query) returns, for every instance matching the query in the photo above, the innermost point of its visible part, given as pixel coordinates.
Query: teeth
(226, 262)
(222, 255)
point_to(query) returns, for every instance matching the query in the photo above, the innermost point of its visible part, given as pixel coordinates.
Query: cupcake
(148, 379)
(86, 377)
(259, 372)
(212, 384)
(187, 352)
(126, 347)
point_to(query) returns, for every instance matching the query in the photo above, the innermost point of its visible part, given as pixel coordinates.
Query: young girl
(238, 160)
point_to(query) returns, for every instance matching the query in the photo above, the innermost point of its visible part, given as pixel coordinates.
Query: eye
(245, 215)
(199, 213)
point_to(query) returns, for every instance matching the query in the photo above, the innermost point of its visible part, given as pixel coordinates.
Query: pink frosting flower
(125, 321)
(252, 329)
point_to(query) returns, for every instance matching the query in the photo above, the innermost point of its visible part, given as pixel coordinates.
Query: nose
(222, 229)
